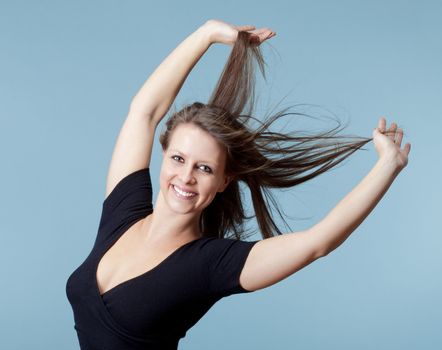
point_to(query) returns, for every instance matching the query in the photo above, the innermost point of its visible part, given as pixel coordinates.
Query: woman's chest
(126, 259)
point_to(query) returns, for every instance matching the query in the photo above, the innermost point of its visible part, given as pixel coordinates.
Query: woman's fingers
(392, 131)
(268, 35)
(245, 28)
(381, 124)
(263, 33)
(400, 134)
(395, 134)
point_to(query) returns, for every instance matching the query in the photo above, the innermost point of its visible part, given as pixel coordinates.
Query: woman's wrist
(206, 33)
(390, 164)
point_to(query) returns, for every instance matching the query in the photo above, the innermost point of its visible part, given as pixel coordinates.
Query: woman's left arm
(349, 213)
(273, 259)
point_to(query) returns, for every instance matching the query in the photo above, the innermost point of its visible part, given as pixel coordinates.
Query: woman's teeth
(187, 194)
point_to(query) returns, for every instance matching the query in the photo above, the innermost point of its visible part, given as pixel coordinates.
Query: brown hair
(260, 158)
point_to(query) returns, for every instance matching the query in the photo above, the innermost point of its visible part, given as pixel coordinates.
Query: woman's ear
(227, 180)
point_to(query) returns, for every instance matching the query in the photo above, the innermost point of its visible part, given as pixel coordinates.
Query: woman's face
(194, 163)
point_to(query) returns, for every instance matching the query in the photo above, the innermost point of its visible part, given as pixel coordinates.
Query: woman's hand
(389, 145)
(224, 33)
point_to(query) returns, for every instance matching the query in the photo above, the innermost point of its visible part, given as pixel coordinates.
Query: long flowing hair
(260, 158)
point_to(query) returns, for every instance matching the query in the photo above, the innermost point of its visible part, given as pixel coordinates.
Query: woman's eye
(208, 170)
(205, 168)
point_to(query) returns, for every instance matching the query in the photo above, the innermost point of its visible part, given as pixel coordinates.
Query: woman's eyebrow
(185, 155)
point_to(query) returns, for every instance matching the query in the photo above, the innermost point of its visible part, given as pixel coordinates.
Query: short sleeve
(227, 258)
(130, 199)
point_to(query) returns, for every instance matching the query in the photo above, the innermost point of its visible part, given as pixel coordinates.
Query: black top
(155, 309)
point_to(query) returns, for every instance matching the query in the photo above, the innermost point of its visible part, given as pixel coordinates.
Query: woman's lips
(179, 195)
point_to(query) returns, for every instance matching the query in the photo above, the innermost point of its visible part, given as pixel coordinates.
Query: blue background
(68, 73)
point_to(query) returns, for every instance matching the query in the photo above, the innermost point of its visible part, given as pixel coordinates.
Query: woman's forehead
(193, 142)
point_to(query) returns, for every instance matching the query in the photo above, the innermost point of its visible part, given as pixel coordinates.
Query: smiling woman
(190, 172)
(156, 269)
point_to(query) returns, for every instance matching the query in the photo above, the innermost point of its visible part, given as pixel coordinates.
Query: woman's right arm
(134, 144)
(160, 89)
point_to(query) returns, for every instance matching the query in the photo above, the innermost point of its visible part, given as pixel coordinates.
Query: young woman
(155, 270)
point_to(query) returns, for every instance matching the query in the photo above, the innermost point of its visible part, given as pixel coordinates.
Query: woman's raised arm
(159, 91)
(349, 213)
(273, 259)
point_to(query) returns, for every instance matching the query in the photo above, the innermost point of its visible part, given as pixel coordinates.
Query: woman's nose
(186, 175)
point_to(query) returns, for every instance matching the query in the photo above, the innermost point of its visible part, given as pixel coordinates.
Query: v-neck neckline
(148, 272)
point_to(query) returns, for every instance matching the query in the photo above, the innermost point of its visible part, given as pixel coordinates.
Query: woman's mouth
(182, 194)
